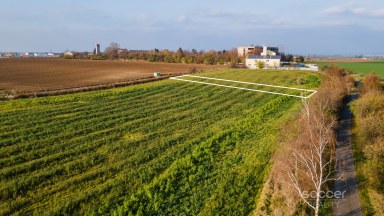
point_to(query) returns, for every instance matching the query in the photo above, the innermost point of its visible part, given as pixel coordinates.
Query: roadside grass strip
(270, 89)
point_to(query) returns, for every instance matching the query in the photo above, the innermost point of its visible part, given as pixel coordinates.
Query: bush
(350, 81)
(369, 118)
(370, 104)
(260, 65)
(374, 153)
(336, 71)
(371, 83)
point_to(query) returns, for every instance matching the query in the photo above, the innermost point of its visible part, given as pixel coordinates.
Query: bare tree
(112, 50)
(308, 164)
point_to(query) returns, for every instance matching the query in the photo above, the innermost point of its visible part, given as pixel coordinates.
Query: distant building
(310, 67)
(245, 50)
(254, 50)
(274, 49)
(138, 51)
(24, 54)
(269, 58)
(9, 55)
(119, 51)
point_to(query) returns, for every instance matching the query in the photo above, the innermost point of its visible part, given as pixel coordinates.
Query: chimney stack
(264, 50)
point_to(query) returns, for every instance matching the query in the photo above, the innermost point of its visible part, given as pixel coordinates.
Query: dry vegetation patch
(369, 145)
(310, 131)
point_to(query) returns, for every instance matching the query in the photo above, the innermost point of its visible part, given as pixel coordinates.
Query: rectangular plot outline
(247, 89)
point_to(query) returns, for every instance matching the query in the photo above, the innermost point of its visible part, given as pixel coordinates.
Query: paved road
(350, 204)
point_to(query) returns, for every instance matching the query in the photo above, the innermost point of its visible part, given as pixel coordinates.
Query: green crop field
(364, 68)
(162, 148)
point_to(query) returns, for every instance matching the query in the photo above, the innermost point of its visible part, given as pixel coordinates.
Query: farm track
(347, 183)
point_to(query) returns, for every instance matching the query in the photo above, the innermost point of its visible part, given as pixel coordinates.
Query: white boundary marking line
(261, 84)
(311, 94)
(248, 89)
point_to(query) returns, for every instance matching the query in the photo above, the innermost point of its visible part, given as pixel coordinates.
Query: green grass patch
(363, 68)
(167, 147)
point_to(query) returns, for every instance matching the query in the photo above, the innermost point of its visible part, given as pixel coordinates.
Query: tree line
(305, 162)
(211, 57)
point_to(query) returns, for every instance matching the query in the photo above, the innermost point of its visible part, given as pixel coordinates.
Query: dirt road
(350, 203)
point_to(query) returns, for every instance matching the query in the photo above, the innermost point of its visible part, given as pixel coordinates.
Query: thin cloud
(243, 19)
(216, 13)
(357, 11)
(144, 18)
(182, 19)
(335, 10)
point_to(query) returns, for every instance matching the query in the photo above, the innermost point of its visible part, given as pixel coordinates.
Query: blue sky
(343, 27)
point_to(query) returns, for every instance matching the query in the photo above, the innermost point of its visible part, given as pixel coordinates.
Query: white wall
(268, 63)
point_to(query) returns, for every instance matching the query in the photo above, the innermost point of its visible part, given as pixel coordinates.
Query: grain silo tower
(97, 49)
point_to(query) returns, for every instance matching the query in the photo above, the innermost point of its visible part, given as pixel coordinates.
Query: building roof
(264, 57)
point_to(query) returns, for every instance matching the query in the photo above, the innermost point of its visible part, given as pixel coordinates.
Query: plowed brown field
(32, 74)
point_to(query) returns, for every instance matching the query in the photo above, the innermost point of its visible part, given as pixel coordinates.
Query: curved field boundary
(247, 89)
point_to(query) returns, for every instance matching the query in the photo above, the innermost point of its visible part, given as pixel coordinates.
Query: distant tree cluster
(180, 56)
(212, 57)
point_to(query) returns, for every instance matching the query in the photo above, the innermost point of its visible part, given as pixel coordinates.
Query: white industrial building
(269, 58)
(253, 50)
